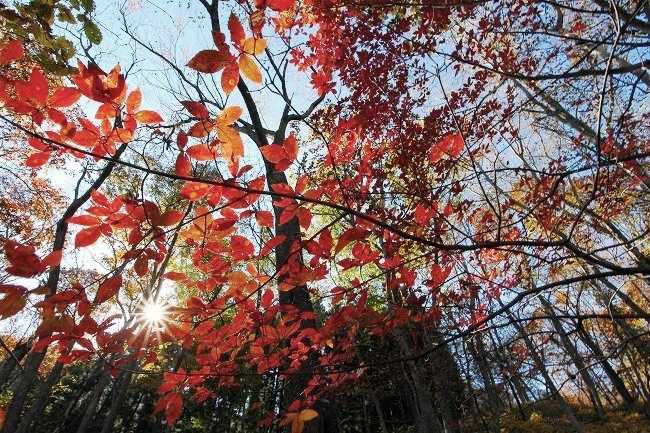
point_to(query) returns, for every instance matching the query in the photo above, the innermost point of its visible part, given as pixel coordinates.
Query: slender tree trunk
(39, 403)
(576, 359)
(555, 392)
(118, 397)
(93, 401)
(34, 360)
(613, 376)
(477, 350)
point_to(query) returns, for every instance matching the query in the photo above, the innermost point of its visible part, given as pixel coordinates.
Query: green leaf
(66, 15)
(92, 32)
(88, 5)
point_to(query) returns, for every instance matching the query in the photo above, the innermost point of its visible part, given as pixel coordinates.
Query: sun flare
(153, 313)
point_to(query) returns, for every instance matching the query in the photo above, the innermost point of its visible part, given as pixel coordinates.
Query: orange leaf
(201, 129)
(230, 78)
(11, 52)
(298, 420)
(230, 143)
(64, 97)
(196, 109)
(87, 236)
(148, 116)
(229, 115)
(254, 46)
(36, 160)
(210, 61)
(249, 68)
(133, 101)
(108, 289)
(202, 152)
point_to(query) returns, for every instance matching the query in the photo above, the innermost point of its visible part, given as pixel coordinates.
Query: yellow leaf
(249, 68)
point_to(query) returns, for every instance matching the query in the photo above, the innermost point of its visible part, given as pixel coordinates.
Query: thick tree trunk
(11, 362)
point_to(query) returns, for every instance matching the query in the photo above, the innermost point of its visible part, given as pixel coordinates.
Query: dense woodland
(325, 216)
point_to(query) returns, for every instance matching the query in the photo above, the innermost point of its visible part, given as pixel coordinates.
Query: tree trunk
(555, 392)
(93, 401)
(613, 376)
(576, 359)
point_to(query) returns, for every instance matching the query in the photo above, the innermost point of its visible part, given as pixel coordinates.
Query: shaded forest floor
(548, 418)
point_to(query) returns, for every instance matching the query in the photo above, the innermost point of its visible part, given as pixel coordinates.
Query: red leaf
(64, 97)
(196, 109)
(170, 218)
(267, 299)
(36, 160)
(174, 408)
(451, 144)
(108, 289)
(279, 5)
(51, 261)
(264, 218)
(13, 302)
(281, 155)
(11, 52)
(237, 34)
(148, 116)
(37, 144)
(272, 243)
(141, 265)
(35, 89)
(273, 153)
(194, 191)
(87, 236)
(183, 166)
(210, 61)
(84, 220)
(181, 140)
